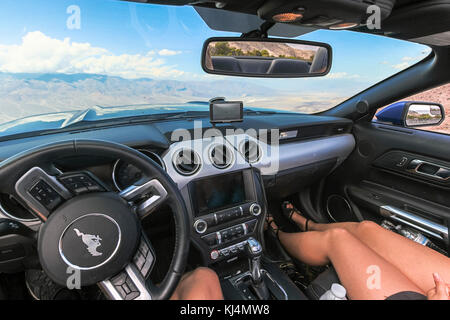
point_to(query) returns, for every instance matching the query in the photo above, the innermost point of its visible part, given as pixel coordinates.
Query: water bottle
(419, 238)
(388, 225)
(413, 235)
(337, 292)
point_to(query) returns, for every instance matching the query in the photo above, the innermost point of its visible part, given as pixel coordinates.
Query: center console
(228, 213)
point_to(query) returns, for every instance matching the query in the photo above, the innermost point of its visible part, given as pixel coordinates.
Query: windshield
(63, 56)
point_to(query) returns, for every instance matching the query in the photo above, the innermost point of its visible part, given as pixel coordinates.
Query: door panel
(399, 173)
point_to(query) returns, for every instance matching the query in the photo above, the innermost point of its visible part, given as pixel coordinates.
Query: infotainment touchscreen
(219, 192)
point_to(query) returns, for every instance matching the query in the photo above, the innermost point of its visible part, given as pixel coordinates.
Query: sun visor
(222, 20)
(426, 22)
(440, 39)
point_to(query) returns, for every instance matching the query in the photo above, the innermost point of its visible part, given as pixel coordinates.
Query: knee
(337, 234)
(205, 275)
(209, 281)
(367, 226)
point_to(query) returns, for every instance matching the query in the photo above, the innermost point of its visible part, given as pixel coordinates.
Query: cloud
(39, 53)
(167, 52)
(342, 75)
(401, 66)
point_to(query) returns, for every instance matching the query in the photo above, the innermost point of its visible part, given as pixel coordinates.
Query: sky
(134, 40)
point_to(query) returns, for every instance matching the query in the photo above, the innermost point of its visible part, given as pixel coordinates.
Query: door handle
(429, 169)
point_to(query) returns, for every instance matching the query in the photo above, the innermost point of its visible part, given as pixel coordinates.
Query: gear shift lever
(254, 252)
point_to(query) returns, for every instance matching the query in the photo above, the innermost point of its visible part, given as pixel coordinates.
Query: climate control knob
(200, 226)
(255, 209)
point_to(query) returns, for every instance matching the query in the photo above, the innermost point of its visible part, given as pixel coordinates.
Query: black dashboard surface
(280, 121)
(157, 134)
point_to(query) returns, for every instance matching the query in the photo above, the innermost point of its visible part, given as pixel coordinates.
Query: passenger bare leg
(200, 284)
(414, 260)
(353, 261)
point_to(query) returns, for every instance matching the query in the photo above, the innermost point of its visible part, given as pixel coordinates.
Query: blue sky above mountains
(131, 41)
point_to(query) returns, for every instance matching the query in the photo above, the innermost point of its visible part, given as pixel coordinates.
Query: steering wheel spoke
(147, 197)
(133, 283)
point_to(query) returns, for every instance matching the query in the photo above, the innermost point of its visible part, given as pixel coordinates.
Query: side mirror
(266, 58)
(412, 114)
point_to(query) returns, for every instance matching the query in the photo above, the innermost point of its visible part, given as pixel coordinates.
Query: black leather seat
(320, 62)
(288, 66)
(228, 64)
(322, 284)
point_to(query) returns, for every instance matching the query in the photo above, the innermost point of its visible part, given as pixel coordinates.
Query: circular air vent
(221, 156)
(251, 151)
(186, 162)
(339, 208)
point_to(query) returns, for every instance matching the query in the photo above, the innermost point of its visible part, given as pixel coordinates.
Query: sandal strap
(292, 210)
(291, 214)
(275, 230)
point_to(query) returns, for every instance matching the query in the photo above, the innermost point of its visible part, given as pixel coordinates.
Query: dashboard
(224, 178)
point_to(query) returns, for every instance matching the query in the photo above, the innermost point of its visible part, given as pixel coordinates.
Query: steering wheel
(90, 234)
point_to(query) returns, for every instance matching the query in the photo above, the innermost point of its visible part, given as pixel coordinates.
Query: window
(60, 57)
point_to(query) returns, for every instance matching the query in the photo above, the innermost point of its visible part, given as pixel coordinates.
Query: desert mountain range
(276, 49)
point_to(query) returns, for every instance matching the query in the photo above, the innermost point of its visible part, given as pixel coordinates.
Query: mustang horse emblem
(92, 242)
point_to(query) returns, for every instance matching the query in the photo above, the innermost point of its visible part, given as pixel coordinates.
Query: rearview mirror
(268, 58)
(412, 114)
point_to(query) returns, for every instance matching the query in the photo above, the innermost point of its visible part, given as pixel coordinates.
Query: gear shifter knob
(254, 248)
(254, 251)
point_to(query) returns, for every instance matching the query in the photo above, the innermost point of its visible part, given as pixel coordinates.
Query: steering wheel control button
(255, 209)
(143, 260)
(80, 183)
(90, 241)
(200, 226)
(125, 287)
(45, 195)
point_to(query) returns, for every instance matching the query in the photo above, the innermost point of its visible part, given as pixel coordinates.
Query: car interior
(166, 201)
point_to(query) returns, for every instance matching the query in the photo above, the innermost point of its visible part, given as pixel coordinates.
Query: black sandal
(273, 231)
(288, 212)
